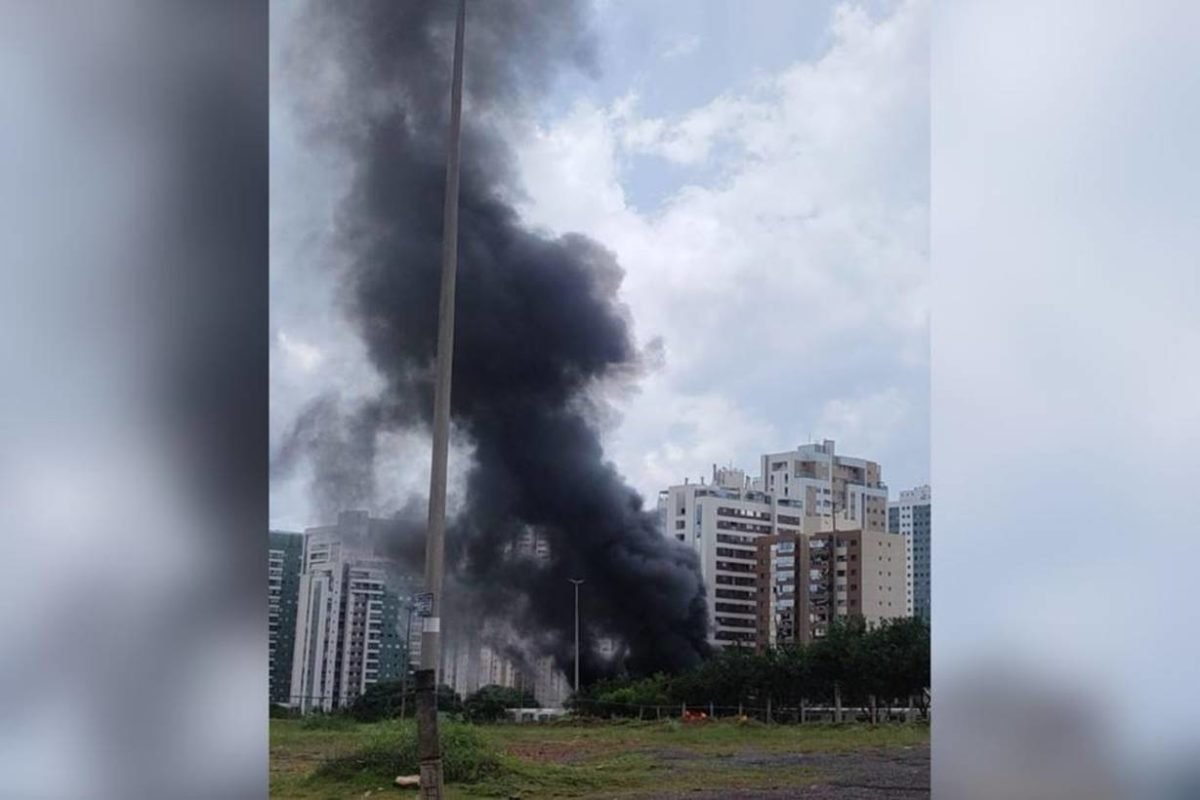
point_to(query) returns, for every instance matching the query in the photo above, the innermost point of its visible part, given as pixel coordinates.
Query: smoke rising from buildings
(539, 329)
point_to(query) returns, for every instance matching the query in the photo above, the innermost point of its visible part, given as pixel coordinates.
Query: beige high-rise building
(803, 492)
(829, 484)
(806, 582)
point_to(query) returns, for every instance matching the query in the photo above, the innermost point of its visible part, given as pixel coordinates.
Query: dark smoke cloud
(401, 536)
(342, 444)
(539, 325)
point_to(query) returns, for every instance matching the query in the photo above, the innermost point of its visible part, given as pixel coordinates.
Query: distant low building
(535, 714)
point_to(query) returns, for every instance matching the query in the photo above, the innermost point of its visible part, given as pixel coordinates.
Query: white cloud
(667, 434)
(788, 276)
(683, 46)
(299, 354)
(865, 424)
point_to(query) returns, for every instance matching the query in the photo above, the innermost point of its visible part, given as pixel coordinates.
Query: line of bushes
(393, 700)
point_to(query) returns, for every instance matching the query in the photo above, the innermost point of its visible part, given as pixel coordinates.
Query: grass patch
(710, 737)
(536, 779)
(628, 775)
(537, 761)
(327, 722)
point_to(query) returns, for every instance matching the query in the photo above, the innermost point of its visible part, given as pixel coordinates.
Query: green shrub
(384, 700)
(392, 751)
(327, 722)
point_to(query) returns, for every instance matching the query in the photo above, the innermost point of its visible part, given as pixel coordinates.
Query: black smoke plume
(539, 324)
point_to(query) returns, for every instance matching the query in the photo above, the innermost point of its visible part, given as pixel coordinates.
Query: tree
(889, 660)
(836, 659)
(490, 703)
(792, 675)
(906, 649)
(383, 701)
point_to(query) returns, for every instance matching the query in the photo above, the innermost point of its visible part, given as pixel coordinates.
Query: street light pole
(428, 747)
(407, 663)
(576, 582)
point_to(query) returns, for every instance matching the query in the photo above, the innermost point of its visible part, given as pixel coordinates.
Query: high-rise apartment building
(469, 664)
(911, 517)
(722, 521)
(285, 554)
(805, 582)
(473, 656)
(806, 491)
(828, 484)
(352, 619)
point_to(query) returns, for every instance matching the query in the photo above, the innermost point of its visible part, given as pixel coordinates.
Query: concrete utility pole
(576, 582)
(429, 749)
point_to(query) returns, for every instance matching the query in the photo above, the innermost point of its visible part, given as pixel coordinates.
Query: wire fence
(769, 713)
(906, 710)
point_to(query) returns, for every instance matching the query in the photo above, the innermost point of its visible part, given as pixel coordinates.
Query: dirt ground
(892, 774)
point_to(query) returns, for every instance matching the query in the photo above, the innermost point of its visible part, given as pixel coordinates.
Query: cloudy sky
(761, 173)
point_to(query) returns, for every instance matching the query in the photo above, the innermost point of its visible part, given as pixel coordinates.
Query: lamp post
(577, 583)
(407, 662)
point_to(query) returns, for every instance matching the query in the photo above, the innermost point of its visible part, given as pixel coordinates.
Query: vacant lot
(700, 761)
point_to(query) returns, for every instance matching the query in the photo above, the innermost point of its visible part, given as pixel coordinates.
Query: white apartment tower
(350, 631)
(721, 521)
(910, 517)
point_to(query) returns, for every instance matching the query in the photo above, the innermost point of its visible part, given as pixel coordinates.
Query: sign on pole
(423, 602)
